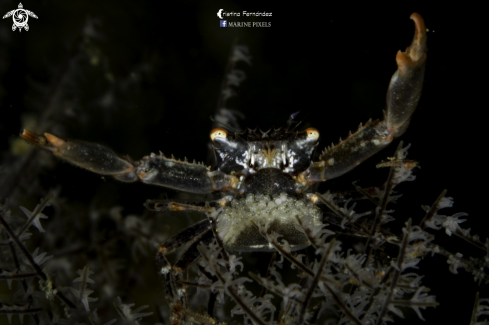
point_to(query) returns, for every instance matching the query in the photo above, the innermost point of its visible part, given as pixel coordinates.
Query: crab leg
(402, 98)
(152, 169)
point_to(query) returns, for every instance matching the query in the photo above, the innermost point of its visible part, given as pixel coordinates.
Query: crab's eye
(218, 133)
(312, 133)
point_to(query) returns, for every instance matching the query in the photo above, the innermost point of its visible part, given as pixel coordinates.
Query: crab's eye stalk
(218, 133)
(312, 134)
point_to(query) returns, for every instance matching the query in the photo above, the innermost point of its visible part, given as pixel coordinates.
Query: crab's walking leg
(153, 169)
(402, 98)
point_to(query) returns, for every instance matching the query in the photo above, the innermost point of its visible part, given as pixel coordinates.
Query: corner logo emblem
(20, 17)
(219, 13)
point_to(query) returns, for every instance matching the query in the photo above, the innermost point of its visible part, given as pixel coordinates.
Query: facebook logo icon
(223, 23)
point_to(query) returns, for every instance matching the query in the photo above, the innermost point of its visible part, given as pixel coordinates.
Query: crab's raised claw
(91, 156)
(406, 83)
(152, 169)
(402, 98)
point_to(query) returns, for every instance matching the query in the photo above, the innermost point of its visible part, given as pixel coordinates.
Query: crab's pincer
(407, 82)
(402, 98)
(91, 156)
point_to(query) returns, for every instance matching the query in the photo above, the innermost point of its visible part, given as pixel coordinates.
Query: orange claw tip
(54, 140)
(33, 138)
(418, 22)
(415, 54)
(418, 47)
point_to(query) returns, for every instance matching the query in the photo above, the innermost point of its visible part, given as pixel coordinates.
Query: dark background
(146, 77)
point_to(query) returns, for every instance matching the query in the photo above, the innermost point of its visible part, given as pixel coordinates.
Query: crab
(261, 178)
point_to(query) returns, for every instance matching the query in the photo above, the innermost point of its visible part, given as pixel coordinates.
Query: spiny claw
(153, 169)
(402, 98)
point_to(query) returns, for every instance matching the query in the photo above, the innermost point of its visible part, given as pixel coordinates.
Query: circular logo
(20, 18)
